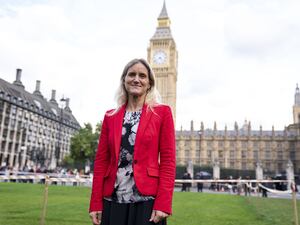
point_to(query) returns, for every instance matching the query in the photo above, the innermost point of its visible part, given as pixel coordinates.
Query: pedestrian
(247, 187)
(199, 184)
(239, 186)
(134, 169)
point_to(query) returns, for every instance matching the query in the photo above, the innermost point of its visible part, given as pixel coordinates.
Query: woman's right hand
(96, 217)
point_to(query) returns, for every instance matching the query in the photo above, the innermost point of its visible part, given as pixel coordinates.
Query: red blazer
(153, 159)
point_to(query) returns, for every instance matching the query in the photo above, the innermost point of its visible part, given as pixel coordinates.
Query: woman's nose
(136, 78)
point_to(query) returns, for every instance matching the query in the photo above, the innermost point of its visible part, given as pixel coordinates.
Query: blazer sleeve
(100, 165)
(167, 168)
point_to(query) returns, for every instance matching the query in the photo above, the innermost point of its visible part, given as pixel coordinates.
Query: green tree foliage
(84, 143)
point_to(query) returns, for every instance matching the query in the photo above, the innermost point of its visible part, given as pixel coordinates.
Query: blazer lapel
(118, 122)
(144, 121)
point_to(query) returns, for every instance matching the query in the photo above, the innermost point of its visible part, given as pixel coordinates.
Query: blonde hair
(152, 97)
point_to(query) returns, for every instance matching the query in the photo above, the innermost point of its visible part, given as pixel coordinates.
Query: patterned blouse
(125, 189)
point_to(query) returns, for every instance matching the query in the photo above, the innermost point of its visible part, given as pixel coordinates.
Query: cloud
(261, 30)
(237, 59)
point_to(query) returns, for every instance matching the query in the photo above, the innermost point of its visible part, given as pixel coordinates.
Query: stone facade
(242, 148)
(33, 131)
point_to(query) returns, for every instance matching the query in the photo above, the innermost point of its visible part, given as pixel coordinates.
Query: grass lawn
(21, 204)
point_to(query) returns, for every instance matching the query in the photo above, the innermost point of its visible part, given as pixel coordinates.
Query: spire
(202, 126)
(260, 130)
(163, 30)
(297, 96)
(192, 125)
(163, 14)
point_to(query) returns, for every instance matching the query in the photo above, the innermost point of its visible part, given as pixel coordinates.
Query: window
(232, 144)
(280, 167)
(12, 123)
(267, 155)
(231, 164)
(209, 153)
(292, 155)
(292, 145)
(255, 154)
(244, 144)
(5, 131)
(279, 155)
(244, 166)
(11, 135)
(221, 154)
(255, 144)
(232, 155)
(10, 147)
(244, 154)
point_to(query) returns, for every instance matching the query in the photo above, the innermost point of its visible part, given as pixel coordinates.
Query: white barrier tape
(51, 179)
(275, 191)
(229, 181)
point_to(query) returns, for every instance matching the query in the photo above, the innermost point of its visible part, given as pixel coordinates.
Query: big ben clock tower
(162, 55)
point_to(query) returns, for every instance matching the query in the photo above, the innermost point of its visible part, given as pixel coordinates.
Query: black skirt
(138, 213)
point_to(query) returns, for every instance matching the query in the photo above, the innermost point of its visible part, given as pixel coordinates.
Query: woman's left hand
(158, 216)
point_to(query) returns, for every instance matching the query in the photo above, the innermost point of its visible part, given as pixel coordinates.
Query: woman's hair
(152, 96)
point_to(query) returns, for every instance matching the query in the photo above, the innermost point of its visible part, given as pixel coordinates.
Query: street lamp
(58, 146)
(21, 156)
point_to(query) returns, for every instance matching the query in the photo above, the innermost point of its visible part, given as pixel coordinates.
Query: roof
(18, 96)
(162, 33)
(233, 133)
(163, 14)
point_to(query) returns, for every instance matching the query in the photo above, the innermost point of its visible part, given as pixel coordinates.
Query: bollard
(294, 203)
(45, 201)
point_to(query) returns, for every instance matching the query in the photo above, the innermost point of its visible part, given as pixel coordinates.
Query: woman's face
(137, 80)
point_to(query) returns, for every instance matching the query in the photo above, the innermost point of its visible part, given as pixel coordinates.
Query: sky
(237, 59)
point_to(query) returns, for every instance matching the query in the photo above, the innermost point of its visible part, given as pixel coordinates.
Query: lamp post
(58, 145)
(22, 154)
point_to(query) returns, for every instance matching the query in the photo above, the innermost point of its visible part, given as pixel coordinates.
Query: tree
(84, 143)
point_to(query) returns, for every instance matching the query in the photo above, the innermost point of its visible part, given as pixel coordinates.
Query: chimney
(53, 97)
(37, 89)
(53, 94)
(38, 85)
(18, 81)
(19, 73)
(67, 108)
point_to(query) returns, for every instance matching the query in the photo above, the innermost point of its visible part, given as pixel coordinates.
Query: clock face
(159, 57)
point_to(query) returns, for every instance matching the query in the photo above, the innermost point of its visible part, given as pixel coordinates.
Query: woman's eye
(142, 75)
(132, 74)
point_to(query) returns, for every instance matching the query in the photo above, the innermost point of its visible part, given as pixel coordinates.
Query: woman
(134, 168)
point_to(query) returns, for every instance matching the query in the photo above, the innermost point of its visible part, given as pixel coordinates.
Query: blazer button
(135, 161)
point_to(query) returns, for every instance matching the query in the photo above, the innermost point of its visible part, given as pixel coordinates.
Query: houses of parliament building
(241, 148)
(35, 129)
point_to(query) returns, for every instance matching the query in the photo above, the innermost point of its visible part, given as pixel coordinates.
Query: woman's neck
(134, 103)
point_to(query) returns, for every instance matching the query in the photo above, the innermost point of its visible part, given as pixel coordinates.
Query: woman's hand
(96, 217)
(158, 216)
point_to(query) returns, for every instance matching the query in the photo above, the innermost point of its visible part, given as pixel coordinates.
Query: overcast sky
(238, 59)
